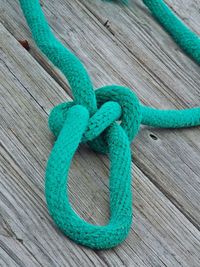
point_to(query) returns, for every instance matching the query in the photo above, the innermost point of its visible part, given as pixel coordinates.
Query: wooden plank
(160, 236)
(12, 253)
(134, 51)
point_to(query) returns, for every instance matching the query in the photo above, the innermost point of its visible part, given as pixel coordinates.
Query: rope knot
(109, 128)
(115, 103)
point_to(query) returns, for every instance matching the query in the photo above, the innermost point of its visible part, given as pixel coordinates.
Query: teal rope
(183, 36)
(61, 57)
(170, 118)
(91, 118)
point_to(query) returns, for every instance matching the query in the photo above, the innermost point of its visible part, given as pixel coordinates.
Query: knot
(115, 103)
(110, 129)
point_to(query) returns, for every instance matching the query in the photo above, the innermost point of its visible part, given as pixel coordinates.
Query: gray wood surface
(132, 50)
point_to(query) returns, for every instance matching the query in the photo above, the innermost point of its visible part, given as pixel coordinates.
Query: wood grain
(133, 50)
(160, 236)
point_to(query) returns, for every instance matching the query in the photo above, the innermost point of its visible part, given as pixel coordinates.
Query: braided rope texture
(107, 119)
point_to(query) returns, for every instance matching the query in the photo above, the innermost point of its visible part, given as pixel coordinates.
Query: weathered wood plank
(161, 235)
(142, 55)
(12, 253)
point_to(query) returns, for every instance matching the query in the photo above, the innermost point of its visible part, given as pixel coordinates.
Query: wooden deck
(118, 45)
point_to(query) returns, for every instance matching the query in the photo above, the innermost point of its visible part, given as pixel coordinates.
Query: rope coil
(91, 118)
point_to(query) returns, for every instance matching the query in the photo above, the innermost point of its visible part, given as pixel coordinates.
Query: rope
(183, 36)
(107, 119)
